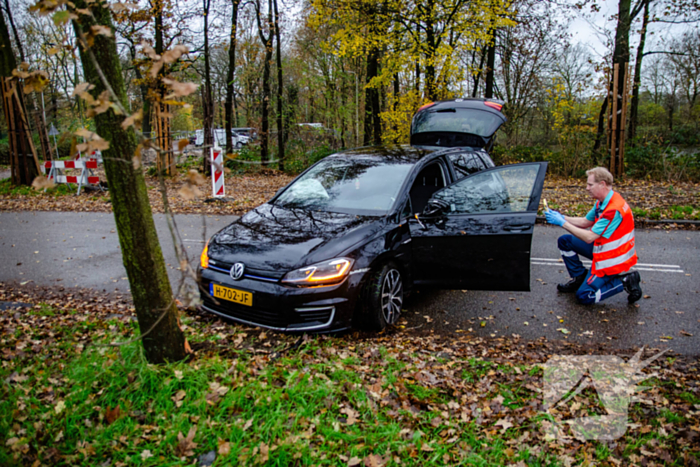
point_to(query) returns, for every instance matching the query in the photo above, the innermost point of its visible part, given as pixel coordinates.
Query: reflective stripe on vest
(617, 254)
(612, 245)
(608, 263)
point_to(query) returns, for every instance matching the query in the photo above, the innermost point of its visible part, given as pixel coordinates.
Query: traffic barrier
(217, 172)
(94, 155)
(86, 176)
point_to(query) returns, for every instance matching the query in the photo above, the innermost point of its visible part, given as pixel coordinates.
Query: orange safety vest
(616, 254)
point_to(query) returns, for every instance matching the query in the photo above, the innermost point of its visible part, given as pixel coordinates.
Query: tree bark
(24, 165)
(601, 126)
(206, 96)
(265, 111)
(280, 93)
(490, 65)
(477, 78)
(141, 253)
(634, 104)
(621, 54)
(373, 126)
(31, 104)
(165, 155)
(430, 85)
(228, 104)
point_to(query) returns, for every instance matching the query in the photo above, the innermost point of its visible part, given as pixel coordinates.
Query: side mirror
(435, 208)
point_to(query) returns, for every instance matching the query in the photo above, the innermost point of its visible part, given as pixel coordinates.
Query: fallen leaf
(186, 444)
(111, 415)
(505, 424)
(177, 398)
(352, 415)
(224, 447)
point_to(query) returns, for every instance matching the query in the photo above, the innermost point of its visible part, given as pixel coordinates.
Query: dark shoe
(631, 284)
(573, 285)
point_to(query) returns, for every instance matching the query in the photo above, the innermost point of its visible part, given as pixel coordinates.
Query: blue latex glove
(554, 217)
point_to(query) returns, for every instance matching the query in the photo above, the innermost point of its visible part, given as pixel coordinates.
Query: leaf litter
(387, 399)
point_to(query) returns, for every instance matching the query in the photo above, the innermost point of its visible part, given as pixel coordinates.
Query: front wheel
(383, 297)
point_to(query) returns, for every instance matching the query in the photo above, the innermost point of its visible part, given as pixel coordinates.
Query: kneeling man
(606, 236)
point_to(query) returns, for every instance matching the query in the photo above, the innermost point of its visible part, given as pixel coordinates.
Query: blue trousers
(594, 289)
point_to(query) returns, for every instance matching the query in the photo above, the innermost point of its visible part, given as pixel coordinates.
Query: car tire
(382, 297)
(239, 145)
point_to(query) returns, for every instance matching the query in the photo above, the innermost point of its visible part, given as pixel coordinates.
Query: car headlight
(324, 273)
(204, 258)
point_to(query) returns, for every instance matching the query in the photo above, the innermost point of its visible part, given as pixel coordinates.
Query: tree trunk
(634, 105)
(373, 127)
(371, 72)
(477, 78)
(141, 253)
(430, 87)
(143, 88)
(23, 160)
(265, 112)
(164, 157)
(32, 107)
(280, 94)
(621, 54)
(206, 97)
(602, 119)
(490, 65)
(228, 104)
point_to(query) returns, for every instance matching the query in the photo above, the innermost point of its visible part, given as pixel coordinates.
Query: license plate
(232, 295)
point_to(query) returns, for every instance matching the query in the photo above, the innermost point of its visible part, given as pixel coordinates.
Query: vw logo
(237, 271)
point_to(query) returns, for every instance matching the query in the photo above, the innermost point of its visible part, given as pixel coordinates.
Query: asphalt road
(82, 250)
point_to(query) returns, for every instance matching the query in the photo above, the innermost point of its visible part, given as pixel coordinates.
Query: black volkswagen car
(342, 244)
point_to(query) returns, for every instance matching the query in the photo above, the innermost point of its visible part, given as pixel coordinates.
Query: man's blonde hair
(601, 174)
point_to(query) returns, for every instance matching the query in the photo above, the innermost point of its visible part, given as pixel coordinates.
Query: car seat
(428, 181)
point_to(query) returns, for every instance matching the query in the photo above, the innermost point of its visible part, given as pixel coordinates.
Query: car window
(473, 121)
(506, 189)
(466, 164)
(429, 180)
(364, 186)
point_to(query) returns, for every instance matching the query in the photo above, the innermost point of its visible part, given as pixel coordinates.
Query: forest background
(362, 68)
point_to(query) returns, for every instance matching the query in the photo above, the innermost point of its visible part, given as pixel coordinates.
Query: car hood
(272, 240)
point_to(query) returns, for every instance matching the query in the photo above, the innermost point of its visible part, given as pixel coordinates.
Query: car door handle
(516, 227)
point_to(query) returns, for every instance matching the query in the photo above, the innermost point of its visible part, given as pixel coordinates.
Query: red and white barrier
(94, 155)
(86, 177)
(217, 172)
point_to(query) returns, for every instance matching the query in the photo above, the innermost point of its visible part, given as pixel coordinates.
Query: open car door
(479, 233)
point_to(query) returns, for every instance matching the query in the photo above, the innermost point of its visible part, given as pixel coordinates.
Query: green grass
(259, 400)
(57, 410)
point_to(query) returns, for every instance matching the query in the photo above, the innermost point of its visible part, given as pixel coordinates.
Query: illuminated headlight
(204, 258)
(325, 273)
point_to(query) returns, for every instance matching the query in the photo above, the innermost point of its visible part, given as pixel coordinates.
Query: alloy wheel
(392, 296)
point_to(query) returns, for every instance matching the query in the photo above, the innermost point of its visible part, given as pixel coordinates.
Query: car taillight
(425, 106)
(493, 105)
